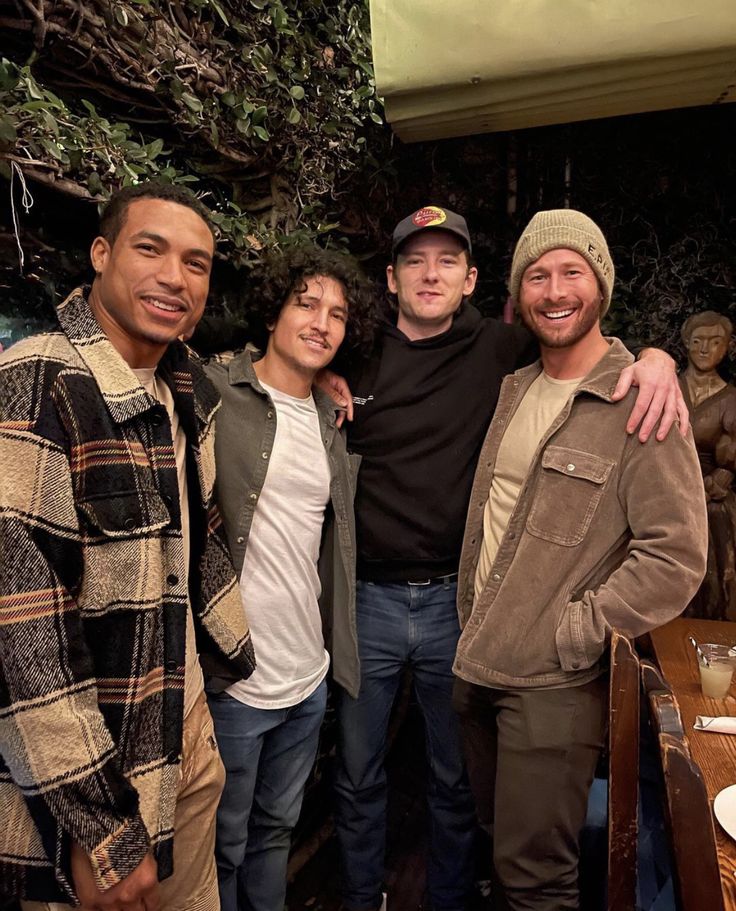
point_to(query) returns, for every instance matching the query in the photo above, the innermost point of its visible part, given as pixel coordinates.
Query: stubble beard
(558, 340)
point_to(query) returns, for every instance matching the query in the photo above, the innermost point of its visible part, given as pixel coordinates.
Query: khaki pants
(193, 885)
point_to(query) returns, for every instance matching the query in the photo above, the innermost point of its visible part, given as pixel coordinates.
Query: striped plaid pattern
(93, 603)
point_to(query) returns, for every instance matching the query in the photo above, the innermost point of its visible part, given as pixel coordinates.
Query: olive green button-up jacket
(246, 428)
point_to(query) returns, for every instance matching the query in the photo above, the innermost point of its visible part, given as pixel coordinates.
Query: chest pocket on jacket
(124, 561)
(118, 515)
(567, 496)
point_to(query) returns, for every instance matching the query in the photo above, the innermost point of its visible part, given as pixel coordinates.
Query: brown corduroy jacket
(93, 600)
(607, 532)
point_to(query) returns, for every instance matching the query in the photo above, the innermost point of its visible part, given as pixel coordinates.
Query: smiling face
(560, 300)
(309, 330)
(151, 284)
(430, 278)
(706, 347)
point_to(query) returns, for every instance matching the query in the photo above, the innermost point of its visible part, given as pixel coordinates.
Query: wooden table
(715, 754)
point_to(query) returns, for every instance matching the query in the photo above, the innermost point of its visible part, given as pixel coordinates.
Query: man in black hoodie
(423, 404)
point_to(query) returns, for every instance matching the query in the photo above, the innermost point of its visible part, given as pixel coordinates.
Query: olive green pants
(531, 757)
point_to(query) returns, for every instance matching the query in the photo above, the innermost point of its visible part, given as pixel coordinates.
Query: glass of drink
(715, 678)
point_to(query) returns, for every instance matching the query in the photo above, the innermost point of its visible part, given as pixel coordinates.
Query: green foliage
(267, 108)
(41, 131)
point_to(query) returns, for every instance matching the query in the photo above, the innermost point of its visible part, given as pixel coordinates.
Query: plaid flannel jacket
(93, 603)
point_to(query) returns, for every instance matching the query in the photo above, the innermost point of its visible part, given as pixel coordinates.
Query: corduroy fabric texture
(567, 229)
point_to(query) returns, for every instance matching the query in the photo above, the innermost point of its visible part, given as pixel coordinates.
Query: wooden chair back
(689, 819)
(623, 774)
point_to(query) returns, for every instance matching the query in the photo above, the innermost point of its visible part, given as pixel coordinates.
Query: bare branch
(44, 173)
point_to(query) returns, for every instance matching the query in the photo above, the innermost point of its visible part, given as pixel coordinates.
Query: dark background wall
(662, 186)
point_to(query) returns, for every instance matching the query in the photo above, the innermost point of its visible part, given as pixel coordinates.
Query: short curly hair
(116, 209)
(280, 273)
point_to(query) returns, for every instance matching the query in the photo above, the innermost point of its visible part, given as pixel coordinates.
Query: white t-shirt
(543, 401)
(279, 583)
(193, 679)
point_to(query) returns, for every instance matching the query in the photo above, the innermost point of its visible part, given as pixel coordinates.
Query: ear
(99, 254)
(391, 280)
(470, 279)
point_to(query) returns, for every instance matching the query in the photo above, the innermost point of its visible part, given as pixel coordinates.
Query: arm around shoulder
(660, 402)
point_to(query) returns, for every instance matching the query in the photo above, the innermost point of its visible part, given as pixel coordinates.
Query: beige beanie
(563, 229)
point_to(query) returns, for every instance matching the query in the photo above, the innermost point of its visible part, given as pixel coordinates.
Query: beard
(586, 319)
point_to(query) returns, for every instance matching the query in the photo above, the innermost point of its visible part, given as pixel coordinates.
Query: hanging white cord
(26, 201)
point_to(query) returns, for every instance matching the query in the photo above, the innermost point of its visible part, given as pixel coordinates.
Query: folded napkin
(722, 725)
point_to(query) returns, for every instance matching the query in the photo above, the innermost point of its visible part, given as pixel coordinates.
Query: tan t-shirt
(193, 679)
(544, 400)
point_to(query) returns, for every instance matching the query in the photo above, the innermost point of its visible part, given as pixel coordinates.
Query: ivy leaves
(267, 107)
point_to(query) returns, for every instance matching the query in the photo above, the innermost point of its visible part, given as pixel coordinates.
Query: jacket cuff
(120, 853)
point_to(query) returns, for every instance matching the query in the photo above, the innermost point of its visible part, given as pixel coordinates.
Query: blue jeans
(268, 754)
(400, 625)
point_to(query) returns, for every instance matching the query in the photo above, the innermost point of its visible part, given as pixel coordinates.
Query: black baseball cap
(430, 218)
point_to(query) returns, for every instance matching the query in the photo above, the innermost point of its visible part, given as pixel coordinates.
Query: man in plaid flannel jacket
(103, 564)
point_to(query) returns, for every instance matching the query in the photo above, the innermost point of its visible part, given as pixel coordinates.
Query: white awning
(456, 67)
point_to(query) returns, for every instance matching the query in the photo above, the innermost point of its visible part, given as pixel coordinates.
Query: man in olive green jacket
(574, 528)
(285, 487)
(240, 448)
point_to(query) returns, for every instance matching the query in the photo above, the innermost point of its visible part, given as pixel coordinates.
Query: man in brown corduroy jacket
(574, 528)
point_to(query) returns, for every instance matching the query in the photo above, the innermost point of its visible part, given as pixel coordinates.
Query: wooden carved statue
(712, 404)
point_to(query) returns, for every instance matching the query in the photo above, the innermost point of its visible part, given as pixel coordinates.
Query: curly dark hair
(281, 273)
(116, 210)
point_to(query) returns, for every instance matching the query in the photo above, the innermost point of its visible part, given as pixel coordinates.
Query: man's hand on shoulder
(338, 390)
(137, 892)
(659, 399)
(223, 358)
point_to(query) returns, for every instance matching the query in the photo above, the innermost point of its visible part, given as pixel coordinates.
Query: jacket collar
(601, 380)
(241, 372)
(123, 395)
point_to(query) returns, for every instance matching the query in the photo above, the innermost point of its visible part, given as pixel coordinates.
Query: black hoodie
(422, 409)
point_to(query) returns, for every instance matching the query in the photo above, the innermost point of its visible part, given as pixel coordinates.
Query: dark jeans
(531, 757)
(400, 625)
(268, 754)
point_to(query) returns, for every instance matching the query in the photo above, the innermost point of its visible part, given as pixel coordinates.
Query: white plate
(724, 806)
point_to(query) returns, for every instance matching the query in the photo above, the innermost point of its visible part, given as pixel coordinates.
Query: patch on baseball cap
(429, 217)
(432, 218)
